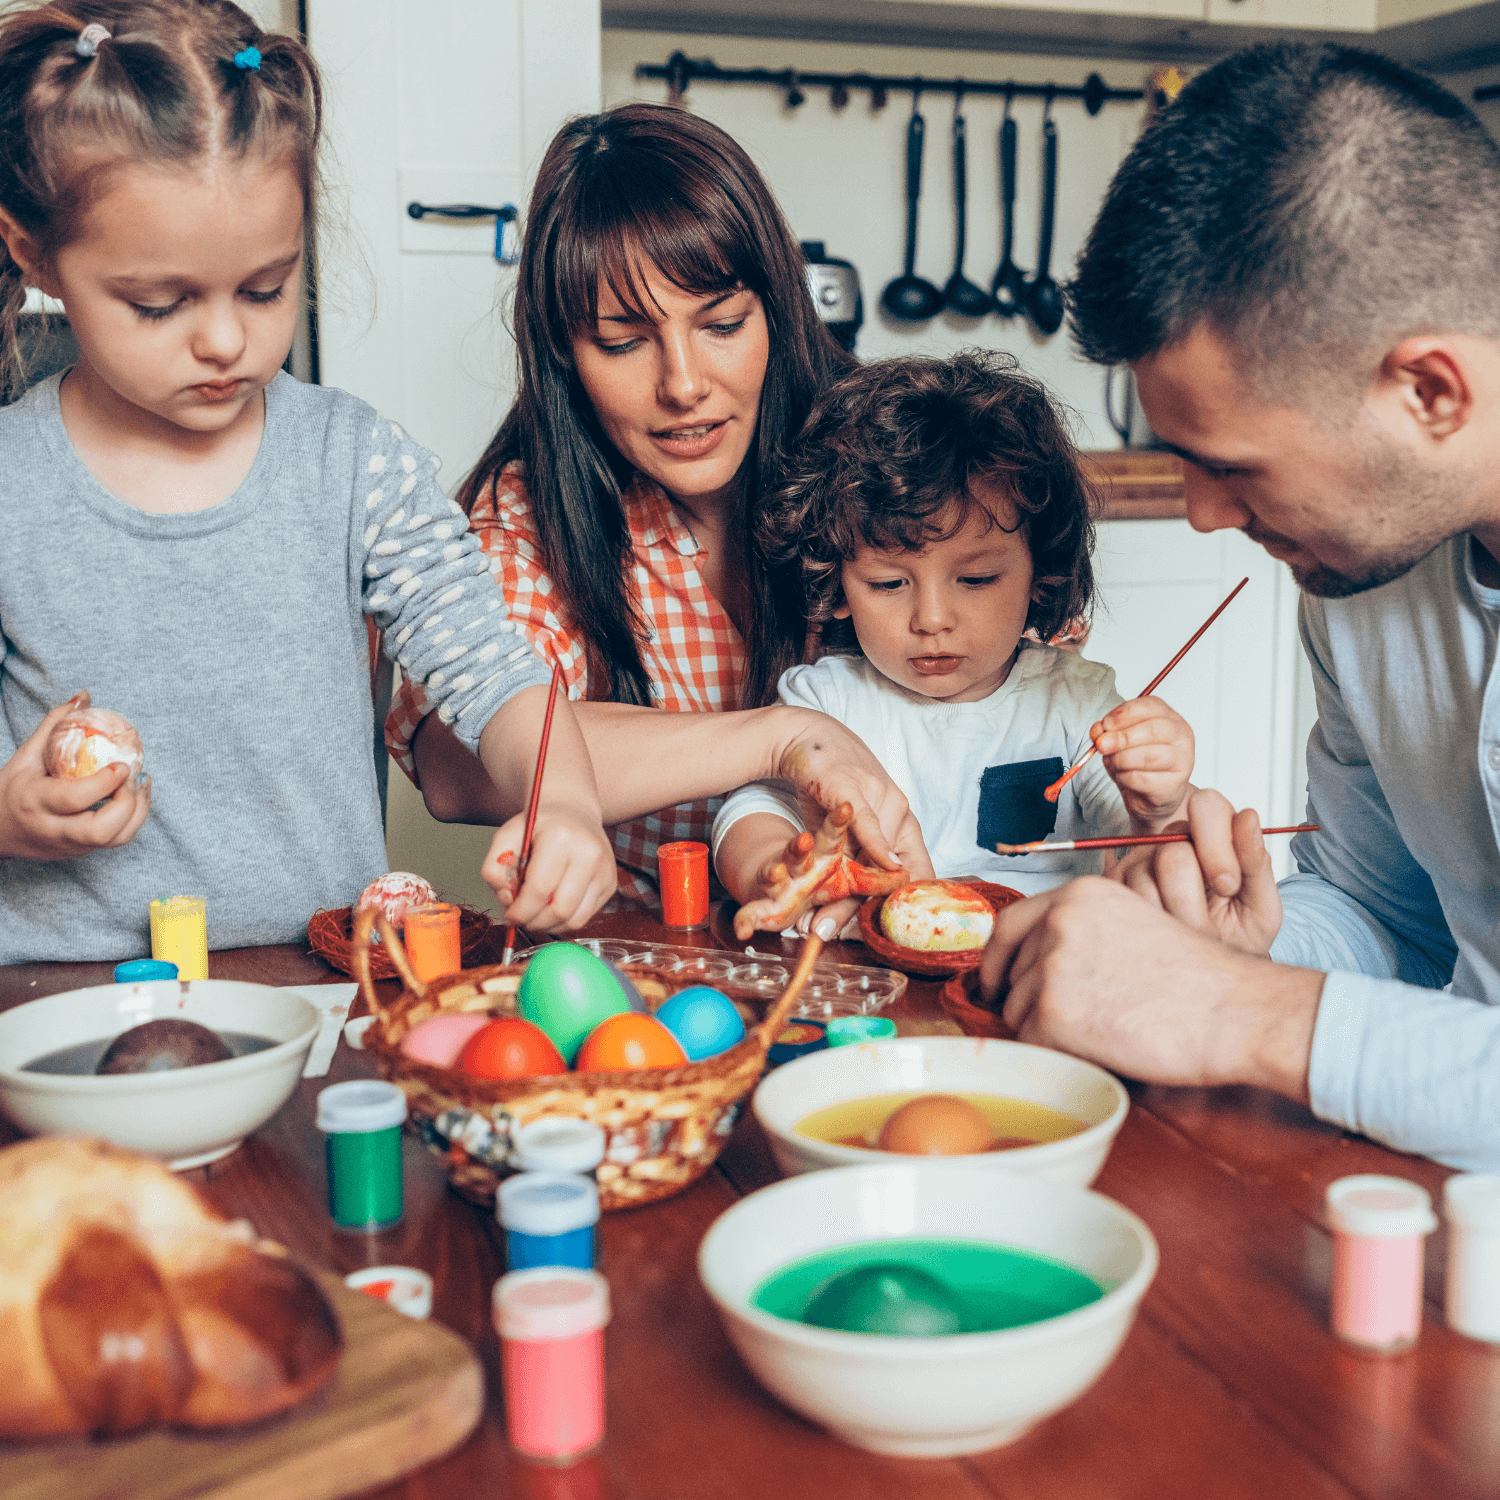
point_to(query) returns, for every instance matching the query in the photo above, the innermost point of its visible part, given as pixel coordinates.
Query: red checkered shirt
(693, 655)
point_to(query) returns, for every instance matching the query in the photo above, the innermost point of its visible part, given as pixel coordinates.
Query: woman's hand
(1220, 884)
(830, 765)
(1147, 748)
(55, 817)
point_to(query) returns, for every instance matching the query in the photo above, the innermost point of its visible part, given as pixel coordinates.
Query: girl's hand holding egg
(76, 809)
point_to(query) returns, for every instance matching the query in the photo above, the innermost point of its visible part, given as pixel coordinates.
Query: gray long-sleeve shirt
(1400, 892)
(232, 639)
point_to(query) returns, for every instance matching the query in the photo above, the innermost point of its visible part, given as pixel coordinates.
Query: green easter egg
(893, 1300)
(567, 991)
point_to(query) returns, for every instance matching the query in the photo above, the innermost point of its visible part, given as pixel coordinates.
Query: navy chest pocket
(1012, 809)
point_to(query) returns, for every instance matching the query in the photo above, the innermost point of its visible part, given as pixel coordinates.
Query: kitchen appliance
(834, 285)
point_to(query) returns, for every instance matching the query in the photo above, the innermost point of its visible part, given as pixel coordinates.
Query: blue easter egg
(567, 991)
(703, 1020)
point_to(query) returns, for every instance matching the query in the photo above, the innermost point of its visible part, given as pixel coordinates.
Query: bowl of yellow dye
(1056, 1115)
(1039, 1282)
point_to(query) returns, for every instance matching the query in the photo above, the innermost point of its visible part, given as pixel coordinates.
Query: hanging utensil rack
(680, 70)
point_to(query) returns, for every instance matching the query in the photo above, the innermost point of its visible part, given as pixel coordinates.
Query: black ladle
(909, 297)
(960, 294)
(1042, 295)
(1007, 287)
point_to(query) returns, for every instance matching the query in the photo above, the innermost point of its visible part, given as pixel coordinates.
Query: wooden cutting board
(405, 1394)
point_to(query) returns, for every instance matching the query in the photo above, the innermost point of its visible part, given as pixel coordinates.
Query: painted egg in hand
(567, 991)
(511, 1048)
(703, 1020)
(441, 1040)
(90, 739)
(629, 1041)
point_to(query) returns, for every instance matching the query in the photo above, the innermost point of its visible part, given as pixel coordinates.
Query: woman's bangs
(699, 255)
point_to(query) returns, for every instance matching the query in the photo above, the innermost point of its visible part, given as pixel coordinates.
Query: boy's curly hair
(891, 448)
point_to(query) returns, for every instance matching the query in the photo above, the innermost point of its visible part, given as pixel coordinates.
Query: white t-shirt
(973, 772)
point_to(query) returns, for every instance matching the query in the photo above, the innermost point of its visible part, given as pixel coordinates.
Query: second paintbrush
(1128, 841)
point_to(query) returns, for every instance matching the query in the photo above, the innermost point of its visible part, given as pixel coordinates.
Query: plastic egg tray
(833, 990)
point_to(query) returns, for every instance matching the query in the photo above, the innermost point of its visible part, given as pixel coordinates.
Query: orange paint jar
(682, 870)
(432, 940)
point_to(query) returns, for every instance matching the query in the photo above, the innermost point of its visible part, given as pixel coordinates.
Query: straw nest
(330, 934)
(663, 1126)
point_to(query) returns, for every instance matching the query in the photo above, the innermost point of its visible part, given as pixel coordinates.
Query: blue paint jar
(139, 970)
(549, 1219)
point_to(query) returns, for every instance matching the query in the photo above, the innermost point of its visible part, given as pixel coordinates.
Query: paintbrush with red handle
(536, 791)
(1054, 791)
(1129, 841)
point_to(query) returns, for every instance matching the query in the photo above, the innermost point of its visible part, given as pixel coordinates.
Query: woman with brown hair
(669, 353)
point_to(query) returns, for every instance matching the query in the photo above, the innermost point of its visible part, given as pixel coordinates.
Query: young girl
(941, 522)
(194, 535)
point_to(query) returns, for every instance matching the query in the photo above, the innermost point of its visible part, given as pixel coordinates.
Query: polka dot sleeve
(428, 586)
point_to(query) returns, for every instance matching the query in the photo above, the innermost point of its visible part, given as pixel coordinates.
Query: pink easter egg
(441, 1040)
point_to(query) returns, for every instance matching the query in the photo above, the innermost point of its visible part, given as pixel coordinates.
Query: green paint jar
(362, 1122)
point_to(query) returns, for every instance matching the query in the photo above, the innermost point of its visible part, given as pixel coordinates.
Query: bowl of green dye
(952, 1307)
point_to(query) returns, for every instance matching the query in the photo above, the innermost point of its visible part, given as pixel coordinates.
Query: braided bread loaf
(125, 1302)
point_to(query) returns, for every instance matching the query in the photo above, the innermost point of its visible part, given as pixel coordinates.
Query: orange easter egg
(629, 1041)
(511, 1048)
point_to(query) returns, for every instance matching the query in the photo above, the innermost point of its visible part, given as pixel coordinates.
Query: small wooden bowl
(960, 1001)
(330, 934)
(935, 965)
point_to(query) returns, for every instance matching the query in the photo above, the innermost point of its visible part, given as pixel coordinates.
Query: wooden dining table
(1229, 1384)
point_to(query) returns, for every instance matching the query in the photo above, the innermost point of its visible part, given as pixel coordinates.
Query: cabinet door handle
(505, 214)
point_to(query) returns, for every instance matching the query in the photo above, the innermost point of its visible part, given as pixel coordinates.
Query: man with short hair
(1301, 261)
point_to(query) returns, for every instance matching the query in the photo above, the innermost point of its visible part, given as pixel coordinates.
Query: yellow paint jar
(179, 934)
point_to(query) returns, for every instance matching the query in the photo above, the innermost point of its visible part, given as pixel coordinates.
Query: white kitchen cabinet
(1239, 686)
(1322, 15)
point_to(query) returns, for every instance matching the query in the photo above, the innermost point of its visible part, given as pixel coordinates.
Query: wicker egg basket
(663, 1126)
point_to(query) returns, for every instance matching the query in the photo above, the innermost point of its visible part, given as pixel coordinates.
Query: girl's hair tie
(89, 38)
(249, 58)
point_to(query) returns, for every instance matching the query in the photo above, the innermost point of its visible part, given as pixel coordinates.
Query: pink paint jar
(1378, 1226)
(551, 1324)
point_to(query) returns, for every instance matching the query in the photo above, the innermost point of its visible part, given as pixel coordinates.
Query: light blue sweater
(233, 639)
(1400, 892)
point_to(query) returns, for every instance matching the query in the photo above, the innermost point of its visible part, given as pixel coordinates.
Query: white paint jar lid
(550, 1302)
(1382, 1207)
(1472, 1200)
(558, 1144)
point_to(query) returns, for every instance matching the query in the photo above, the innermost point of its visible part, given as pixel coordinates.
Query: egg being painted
(939, 916)
(511, 1048)
(629, 1041)
(567, 991)
(442, 1039)
(703, 1019)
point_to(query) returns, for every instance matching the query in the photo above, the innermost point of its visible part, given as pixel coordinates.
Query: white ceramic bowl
(185, 1117)
(946, 1065)
(927, 1397)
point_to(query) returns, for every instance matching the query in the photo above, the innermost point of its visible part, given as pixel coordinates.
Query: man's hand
(1092, 969)
(1147, 748)
(1220, 884)
(829, 765)
(54, 817)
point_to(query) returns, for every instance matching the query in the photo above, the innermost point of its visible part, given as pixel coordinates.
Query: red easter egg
(511, 1048)
(629, 1041)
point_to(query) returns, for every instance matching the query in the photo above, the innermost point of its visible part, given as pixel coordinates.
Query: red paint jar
(682, 870)
(551, 1323)
(1378, 1226)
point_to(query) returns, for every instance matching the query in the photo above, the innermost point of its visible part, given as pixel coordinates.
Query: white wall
(840, 177)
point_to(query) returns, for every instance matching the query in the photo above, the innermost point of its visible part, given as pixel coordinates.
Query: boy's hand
(1148, 751)
(53, 817)
(570, 876)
